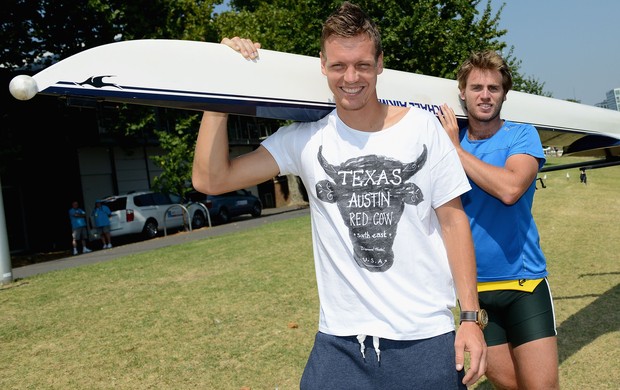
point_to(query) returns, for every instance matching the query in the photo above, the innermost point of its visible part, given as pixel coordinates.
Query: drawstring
(375, 344)
(360, 339)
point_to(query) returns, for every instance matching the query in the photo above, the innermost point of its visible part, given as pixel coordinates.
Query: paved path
(269, 215)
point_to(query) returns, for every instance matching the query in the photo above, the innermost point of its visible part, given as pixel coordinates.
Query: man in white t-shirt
(391, 241)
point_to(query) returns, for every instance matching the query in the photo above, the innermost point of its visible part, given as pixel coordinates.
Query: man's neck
(372, 118)
(478, 130)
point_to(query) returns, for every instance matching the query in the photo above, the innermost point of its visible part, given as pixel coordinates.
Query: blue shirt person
(77, 216)
(101, 215)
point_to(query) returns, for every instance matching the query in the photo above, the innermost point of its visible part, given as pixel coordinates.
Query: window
(117, 204)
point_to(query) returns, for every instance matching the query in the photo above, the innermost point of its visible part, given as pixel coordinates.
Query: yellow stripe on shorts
(519, 285)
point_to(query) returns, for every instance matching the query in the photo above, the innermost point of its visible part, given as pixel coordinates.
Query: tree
(430, 37)
(423, 36)
(37, 33)
(177, 162)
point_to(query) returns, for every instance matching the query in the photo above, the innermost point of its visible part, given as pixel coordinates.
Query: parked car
(224, 207)
(146, 213)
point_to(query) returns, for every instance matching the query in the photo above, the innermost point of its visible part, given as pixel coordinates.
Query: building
(613, 100)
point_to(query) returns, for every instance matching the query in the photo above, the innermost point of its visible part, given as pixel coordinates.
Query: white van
(146, 213)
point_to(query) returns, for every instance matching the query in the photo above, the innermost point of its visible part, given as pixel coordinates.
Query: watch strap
(469, 316)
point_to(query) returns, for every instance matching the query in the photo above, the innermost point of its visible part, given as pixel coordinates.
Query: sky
(572, 46)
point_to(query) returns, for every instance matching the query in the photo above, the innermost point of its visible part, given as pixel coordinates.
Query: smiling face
(484, 95)
(351, 70)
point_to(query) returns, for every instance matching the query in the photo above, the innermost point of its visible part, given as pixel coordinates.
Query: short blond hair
(486, 60)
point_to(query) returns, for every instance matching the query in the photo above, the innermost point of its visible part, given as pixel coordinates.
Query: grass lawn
(240, 311)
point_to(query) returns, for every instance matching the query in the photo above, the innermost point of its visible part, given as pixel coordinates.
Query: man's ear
(462, 100)
(323, 61)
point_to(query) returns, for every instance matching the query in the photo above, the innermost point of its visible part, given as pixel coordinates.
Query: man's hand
(469, 339)
(450, 124)
(246, 47)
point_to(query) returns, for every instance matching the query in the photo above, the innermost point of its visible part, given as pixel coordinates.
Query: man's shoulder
(518, 126)
(420, 115)
(299, 127)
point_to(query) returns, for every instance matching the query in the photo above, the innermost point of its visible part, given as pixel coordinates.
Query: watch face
(483, 318)
(480, 317)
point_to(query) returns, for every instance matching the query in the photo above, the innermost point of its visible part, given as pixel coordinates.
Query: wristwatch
(480, 317)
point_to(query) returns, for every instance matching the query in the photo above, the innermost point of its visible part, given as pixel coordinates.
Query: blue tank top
(506, 238)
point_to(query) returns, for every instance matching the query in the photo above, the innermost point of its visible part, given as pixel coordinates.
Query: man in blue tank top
(502, 160)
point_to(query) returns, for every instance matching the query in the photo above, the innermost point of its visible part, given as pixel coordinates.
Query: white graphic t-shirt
(381, 265)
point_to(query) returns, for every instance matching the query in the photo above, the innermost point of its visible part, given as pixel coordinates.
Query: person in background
(583, 178)
(78, 227)
(392, 245)
(502, 160)
(101, 215)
